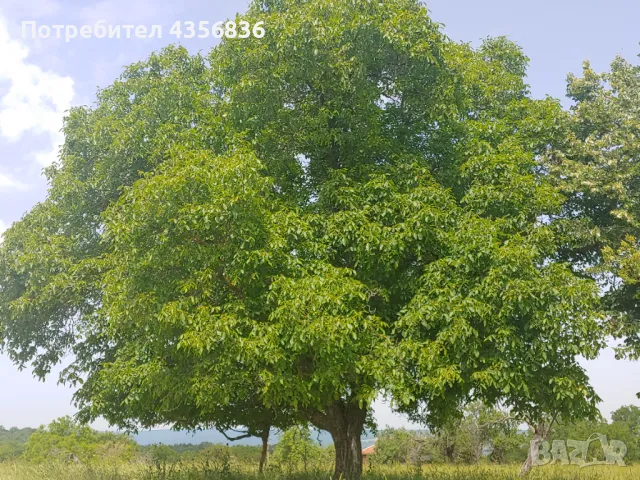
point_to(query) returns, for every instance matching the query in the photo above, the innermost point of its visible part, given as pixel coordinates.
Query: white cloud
(7, 182)
(113, 11)
(32, 8)
(35, 101)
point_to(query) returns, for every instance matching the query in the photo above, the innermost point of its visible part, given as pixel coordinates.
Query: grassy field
(21, 471)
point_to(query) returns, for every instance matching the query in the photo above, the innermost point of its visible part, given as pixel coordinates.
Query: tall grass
(137, 471)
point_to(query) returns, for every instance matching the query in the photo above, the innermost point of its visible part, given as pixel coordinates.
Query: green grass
(23, 471)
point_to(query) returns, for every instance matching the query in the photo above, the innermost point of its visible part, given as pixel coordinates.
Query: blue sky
(42, 78)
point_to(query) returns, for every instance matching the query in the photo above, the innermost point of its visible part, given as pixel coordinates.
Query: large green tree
(349, 207)
(598, 171)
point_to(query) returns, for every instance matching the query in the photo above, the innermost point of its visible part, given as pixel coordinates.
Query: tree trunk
(539, 436)
(348, 455)
(345, 423)
(265, 449)
(449, 451)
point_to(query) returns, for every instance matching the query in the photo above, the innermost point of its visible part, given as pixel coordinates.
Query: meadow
(190, 471)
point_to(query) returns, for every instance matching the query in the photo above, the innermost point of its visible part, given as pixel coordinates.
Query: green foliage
(217, 456)
(588, 430)
(12, 442)
(161, 454)
(296, 451)
(15, 434)
(509, 448)
(626, 421)
(405, 446)
(10, 450)
(629, 414)
(65, 440)
(245, 454)
(482, 431)
(248, 454)
(286, 229)
(598, 171)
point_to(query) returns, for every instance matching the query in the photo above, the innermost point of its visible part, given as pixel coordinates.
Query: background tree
(629, 414)
(348, 207)
(217, 457)
(598, 171)
(405, 446)
(627, 418)
(65, 440)
(588, 431)
(12, 441)
(296, 451)
(482, 431)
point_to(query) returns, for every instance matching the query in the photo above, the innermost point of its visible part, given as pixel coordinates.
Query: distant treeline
(191, 451)
(15, 434)
(482, 434)
(13, 441)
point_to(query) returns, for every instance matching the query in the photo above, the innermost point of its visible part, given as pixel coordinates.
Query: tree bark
(345, 423)
(539, 436)
(265, 449)
(449, 451)
(348, 455)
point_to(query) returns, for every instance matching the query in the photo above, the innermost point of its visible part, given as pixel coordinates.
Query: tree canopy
(292, 226)
(598, 171)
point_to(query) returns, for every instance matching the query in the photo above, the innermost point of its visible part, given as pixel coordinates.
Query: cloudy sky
(40, 79)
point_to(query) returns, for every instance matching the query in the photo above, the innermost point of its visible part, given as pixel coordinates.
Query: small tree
(482, 430)
(405, 446)
(217, 456)
(297, 450)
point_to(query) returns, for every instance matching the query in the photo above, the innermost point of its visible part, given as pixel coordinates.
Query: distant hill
(173, 437)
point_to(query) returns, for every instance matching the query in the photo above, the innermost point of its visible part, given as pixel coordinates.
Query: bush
(65, 440)
(216, 457)
(405, 447)
(296, 451)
